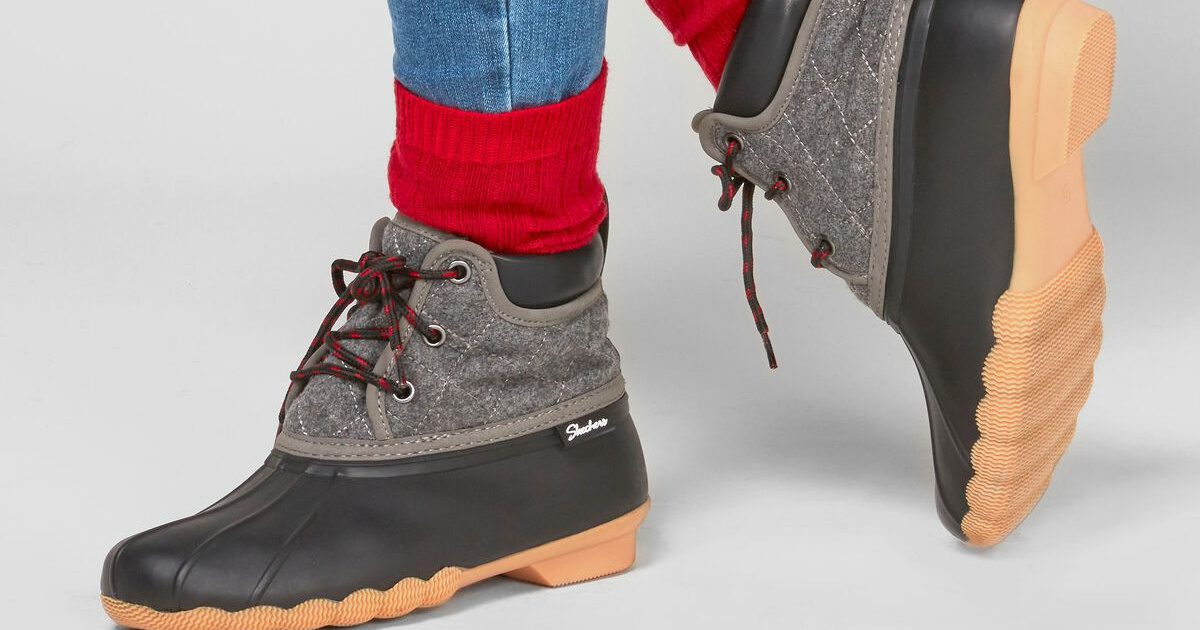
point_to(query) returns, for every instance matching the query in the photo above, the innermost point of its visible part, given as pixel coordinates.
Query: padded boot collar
(759, 55)
(528, 280)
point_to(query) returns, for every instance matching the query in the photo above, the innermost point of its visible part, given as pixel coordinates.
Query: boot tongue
(402, 236)
(336, 408)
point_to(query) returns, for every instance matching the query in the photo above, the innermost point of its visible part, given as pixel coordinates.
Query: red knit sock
(706, 27)
(521, 182)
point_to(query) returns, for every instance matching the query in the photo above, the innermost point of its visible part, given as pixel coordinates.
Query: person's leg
(498, 120)
(522, 54)
(454, 427)
(706, 27)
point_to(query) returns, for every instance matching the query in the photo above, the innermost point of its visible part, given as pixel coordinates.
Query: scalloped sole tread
(598, 552)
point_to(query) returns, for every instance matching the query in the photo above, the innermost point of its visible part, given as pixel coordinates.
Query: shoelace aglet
(770, 350)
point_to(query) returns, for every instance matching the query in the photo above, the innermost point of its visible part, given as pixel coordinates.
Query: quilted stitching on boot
(488, 370)
(824, 139)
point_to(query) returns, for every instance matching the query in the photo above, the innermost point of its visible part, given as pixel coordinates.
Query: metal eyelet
(777, 178)
(822, 252)
(440, 336)
(464, 273)
(410, 393)
(736, 140)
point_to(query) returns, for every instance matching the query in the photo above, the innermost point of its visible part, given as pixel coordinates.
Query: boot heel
(1076, 82)
(589, 563)
(1064, 54)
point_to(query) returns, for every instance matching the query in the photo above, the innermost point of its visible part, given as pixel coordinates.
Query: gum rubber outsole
(1047, 325)
(598, 552)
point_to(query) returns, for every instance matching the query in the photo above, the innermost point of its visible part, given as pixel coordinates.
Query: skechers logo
(574, 430)
(580, 431)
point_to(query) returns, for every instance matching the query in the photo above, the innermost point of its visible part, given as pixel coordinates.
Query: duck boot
(929, 154)
(469, 420)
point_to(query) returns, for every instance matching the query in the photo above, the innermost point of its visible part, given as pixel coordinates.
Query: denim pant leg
(497, 55)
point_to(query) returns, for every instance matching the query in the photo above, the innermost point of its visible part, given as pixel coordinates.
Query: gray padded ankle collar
(829, 132)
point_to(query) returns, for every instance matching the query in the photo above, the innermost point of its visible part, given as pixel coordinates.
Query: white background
(175, 178)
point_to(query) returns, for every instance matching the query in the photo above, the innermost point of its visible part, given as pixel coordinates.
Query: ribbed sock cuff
(706, 27)
(515, 182)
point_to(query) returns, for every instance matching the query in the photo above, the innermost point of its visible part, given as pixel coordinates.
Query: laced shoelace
(379, 278)
(731, 182)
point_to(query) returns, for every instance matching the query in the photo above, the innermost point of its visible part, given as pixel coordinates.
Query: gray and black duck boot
(469, 420)
(928, 153)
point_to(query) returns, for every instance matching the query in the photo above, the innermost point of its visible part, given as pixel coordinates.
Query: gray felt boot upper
(502, 372)
(829, 133)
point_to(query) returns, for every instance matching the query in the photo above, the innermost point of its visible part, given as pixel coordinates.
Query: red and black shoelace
(731, 182)
(379, 278)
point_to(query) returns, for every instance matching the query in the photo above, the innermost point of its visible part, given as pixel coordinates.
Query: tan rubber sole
(598, 552)
(1048, 324)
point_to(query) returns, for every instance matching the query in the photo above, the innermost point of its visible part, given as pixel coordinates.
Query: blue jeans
(497, 55)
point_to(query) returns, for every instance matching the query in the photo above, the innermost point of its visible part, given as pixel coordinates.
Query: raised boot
(468, 421)
(929, 154)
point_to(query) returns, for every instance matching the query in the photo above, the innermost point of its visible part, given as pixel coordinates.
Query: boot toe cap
(161, 569)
